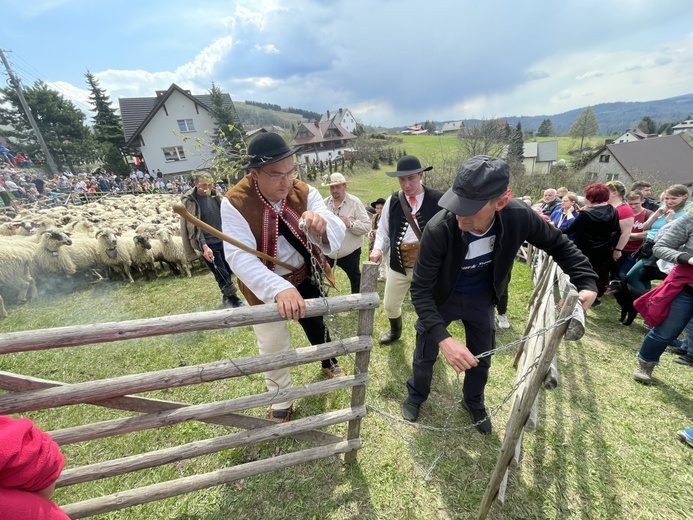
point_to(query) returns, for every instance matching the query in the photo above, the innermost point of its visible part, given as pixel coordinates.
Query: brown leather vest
(246, 200)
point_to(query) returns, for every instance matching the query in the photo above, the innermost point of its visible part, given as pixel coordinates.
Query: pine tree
(545, 128)
(647, 125)
(516, 145)
(108, 128)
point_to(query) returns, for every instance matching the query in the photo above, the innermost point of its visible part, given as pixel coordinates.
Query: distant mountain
(253, 116)
(614, 118)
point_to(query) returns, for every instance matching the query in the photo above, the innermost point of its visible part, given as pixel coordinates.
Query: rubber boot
(394, 333)
(643, 372)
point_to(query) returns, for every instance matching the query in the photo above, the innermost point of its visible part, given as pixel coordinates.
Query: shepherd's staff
(180, 209)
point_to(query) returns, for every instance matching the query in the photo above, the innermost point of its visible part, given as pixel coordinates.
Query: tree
(488, 137)
(227, 138)
(585, 125)
(60, 121)
(545, 128)
(516, 145)
(647, 125)
(108, 128)
(430, 126)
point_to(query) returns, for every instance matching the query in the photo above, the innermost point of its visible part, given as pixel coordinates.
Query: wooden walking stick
(180, 209)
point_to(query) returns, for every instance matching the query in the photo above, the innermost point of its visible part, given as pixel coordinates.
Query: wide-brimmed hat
(407, 165)
(378, 201)
(336, 179)
(266, 149)
(479, 179)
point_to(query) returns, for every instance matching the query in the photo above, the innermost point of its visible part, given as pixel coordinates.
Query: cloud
(589, 74)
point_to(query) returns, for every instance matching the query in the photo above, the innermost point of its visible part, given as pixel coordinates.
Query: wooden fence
(27, 393)
(536, 363)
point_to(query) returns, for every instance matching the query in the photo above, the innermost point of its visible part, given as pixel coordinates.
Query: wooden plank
(191, 450)
(199, 411)
(519, 415)
(369, 281)
(183, 485)
(175, 377)
(61, 337)
(14, 382)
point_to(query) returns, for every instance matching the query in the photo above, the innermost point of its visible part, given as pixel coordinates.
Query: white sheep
(51, 257)
(172, 249)
(142, 255)
(16, 263)
(114, 253)
(84, 253)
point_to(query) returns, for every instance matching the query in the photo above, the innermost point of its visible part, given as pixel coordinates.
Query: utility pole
(14, 83)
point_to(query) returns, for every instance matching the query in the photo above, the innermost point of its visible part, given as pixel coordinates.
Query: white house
(630, 135)
(686, 126)
(166, 129)
(342, 117)
(539, 156)
(451, 127)
(326, 141)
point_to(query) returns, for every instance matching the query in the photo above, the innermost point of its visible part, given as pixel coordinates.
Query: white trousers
(272, 338)
(396, 288)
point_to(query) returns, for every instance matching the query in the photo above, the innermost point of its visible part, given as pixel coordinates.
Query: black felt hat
(378, 201)
(267, 148)
(407, 165)
(480, 179)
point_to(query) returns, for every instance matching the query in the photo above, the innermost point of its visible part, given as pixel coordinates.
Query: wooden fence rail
(28, 393)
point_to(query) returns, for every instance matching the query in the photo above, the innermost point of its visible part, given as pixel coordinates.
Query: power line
(33, 73)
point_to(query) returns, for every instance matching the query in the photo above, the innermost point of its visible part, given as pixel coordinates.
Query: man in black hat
(466, 253)
(404, 217)
(272, 211)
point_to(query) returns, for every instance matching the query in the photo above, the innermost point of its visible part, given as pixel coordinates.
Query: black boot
(230, 298)
(394, 333)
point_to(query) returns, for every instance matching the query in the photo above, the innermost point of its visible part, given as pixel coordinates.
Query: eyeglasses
(278, 177)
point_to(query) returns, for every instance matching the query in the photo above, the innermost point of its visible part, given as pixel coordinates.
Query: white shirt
(382, 236)
(266, 284)
(352, 208)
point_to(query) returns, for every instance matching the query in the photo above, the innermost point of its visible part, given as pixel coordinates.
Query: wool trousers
(396, 288)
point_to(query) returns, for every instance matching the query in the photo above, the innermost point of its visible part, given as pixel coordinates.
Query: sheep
(172, 249)
(113, 253)
(3, 311)
(84, 253)
(16, 268)
(50, 257)
(142, 255)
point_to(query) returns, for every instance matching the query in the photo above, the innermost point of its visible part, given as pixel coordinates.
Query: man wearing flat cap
(352, 212)
(272, 211)
(465, 255)
(404, 217)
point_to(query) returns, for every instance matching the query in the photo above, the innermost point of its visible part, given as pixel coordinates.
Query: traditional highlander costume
(396, 235)
(273, 228)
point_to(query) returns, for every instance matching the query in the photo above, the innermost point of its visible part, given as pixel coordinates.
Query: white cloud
(269, 49)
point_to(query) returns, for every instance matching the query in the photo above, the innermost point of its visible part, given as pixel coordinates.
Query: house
(540, 156)
(686, 126)
(663, 160)
(414, 130)
(630, 135)
(450, 128)
(342, 117)
(263, 130)
(165, 128)
(325, 141)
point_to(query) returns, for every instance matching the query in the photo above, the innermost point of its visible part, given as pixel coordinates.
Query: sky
(391, 62)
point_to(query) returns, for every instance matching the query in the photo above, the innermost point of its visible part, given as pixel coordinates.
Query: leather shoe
(333, 371)
(410, 410)
(280, 416)
(480, 419)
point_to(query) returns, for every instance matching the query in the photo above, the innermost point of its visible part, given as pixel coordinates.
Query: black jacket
(443, 248)
(593, 228)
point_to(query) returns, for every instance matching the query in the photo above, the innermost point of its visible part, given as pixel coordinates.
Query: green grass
(605, 446)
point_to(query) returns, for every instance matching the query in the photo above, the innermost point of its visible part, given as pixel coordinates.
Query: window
(611, 177)
(186, 125)
(604, 158)
(174, 153)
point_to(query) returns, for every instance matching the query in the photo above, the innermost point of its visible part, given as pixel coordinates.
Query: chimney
(317, 123)
(328, 114)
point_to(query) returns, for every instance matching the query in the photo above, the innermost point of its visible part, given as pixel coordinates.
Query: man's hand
(291, 304)
(207, 253)
(586, 298)
(315, 223)
(346, 221)
(376, 256)
(459, 356)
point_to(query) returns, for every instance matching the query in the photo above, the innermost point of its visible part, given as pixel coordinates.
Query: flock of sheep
(122, 235)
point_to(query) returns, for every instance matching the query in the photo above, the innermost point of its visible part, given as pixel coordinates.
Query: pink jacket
(654, 305)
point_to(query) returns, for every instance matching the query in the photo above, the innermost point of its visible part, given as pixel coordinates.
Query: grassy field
(605, 446)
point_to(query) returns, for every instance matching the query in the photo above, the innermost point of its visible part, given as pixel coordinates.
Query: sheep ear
(134, 239)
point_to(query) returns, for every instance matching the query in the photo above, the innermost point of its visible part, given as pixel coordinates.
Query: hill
(253, 116)
(614, 118)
